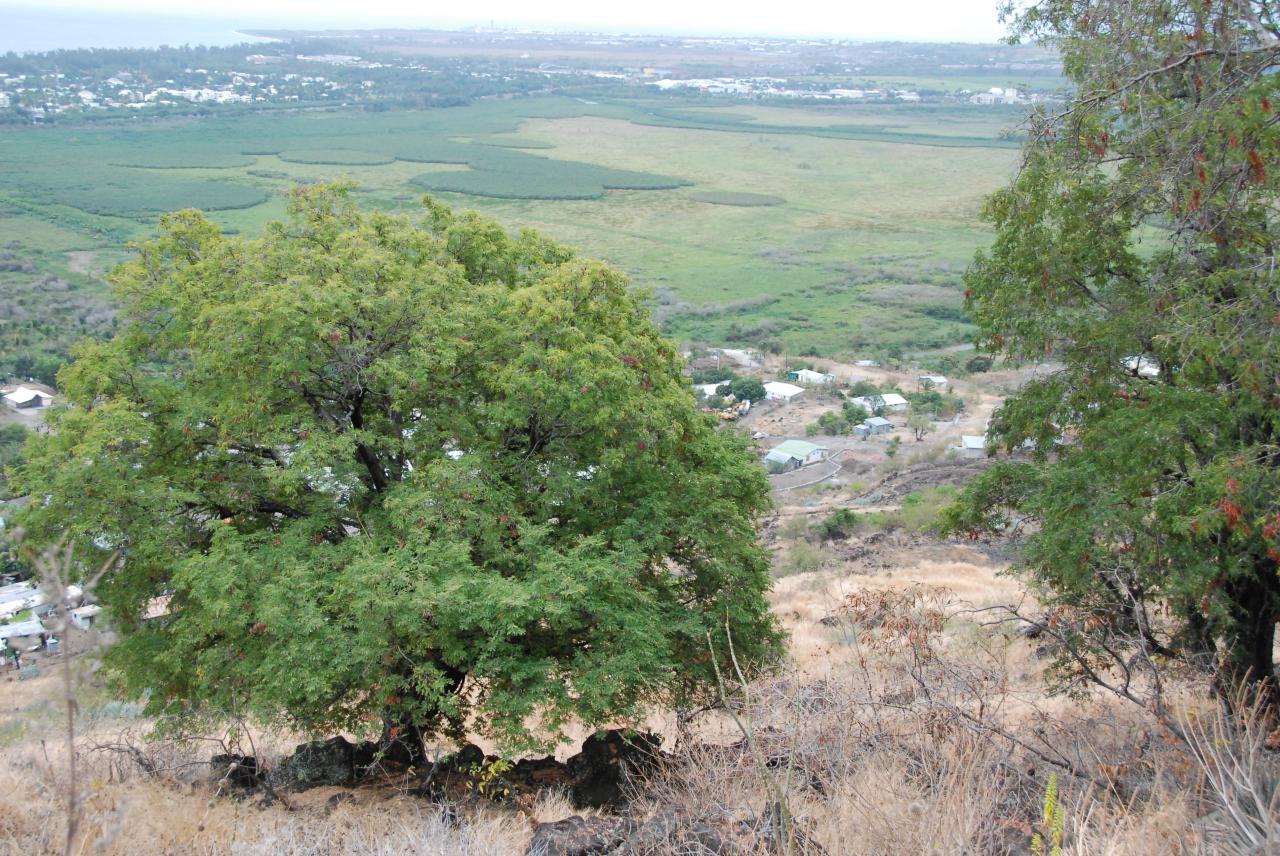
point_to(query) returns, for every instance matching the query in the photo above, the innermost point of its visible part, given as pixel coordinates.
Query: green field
(833, 229)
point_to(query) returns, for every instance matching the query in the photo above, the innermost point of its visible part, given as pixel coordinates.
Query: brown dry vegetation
(908, 719)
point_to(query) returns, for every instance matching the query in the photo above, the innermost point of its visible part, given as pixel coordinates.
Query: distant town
(428, 68)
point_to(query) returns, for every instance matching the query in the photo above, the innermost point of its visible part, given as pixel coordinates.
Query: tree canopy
(428, 474)
(1137, 246)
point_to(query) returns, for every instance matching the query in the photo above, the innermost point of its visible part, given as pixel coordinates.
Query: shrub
(802, 558)
(979, 364)
(841, 523)
(745, 388)
(712, 375)
(920, 510)
(838, 424)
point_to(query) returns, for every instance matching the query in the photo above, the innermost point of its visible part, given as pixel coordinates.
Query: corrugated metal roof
(778, 388)
(798, 448)
(22, 395)
(22, 628)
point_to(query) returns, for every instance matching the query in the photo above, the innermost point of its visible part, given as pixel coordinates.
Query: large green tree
(1137, 246)
(425, 474)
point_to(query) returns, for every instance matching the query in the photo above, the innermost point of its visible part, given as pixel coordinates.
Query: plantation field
(833, 228)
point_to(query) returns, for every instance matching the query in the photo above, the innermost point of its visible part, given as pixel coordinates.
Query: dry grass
(903, 723)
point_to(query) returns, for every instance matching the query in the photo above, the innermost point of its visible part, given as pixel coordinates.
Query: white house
(931, 381)
(891, 402)
(706, 390)
(27, 398)
(84, 616)
(793, 454)
(810, 377)
(776, 390)
(973, 445)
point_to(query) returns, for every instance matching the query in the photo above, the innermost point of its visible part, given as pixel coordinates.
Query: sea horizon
(29, 30)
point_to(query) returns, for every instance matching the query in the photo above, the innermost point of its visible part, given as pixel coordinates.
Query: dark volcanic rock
(578, 836)
(320, 762)
(607, 758)
(535, 773)
(671, 832)
(237, 771)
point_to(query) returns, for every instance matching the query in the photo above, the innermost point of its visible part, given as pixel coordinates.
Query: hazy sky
(926, 20)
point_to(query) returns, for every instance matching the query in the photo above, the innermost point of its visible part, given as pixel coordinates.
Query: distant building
(973, 445)
(776, 390)
(931, 381)
(873, 426)
(27, 397)
(84, 616)
(810, 377)
(794, 454)
(889, 402)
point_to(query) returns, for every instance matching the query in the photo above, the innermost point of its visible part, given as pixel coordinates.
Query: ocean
(28, 30)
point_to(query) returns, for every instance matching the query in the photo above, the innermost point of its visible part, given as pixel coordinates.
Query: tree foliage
(430, 474)
(839, 424)
(743, 388)
(920, 425)
(1138, 245)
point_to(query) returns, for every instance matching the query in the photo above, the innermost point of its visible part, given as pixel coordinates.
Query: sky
(916, 20)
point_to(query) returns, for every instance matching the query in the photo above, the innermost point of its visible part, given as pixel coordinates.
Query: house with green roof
(794, 454)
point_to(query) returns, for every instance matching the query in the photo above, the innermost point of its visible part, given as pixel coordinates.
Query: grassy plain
(878, 211)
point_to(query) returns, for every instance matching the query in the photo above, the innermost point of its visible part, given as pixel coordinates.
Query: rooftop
(798, 448)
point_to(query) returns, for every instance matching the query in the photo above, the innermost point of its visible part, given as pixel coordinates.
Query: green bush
(920, 510)
(838, 424)
(841, 523)
(744, 387)
(712, 375)
(863, 387)
(979, 364)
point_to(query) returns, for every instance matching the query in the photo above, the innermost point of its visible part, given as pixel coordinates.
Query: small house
(794, 454)
(888, 402)
(84, 616)
(810, 377)
(28, 398)
(931, 381)
(973, 445)
(776, 390)
(878, 425)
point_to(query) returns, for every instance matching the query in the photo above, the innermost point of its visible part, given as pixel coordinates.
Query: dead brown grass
(905, 722)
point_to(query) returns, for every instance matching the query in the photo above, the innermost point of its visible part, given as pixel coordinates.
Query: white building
(27, 398)
(810, 377)
(889, 402)
(973, 445)
(776, 390)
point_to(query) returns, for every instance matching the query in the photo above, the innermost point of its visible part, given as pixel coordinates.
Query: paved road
(805, 476)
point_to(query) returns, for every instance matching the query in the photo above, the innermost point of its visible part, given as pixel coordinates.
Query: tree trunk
(403, 734)
(1247, 674)
(402, 739)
